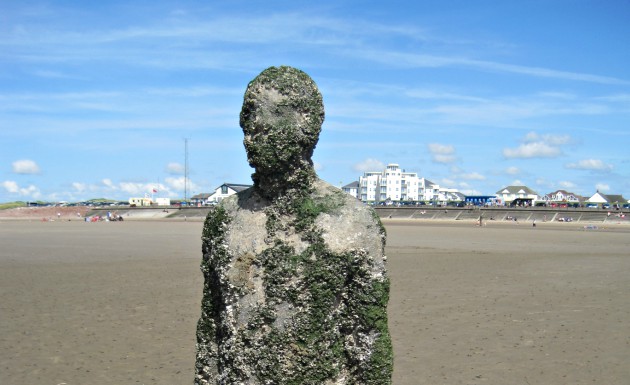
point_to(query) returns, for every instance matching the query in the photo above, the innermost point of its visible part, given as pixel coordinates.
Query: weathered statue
(295, 285)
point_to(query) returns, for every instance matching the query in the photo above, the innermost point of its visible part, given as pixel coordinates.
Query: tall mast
(186, 170)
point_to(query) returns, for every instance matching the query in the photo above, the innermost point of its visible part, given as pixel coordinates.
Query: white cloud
(590, 164)
(566, 184)
(455, 169)
(108, 182)
(531, 137)
(512, 170)
(25, 166)
(369, 164)
(105, 187)
(538, 146)
(472, 176)
(557, 140)
(31, 191)
(445, 159)
(424, 60)
(137, 189)
(602, 187)
(172, 187)
(79, 187)
(554, 140)
(532, 150)
(13, 188)
(471, 192)
(442, 153)
(178, 184)
(447, 182)
(175, 168)
(442, 149)
(318, 166)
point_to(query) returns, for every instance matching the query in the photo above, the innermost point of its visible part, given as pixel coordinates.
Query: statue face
(281, 127)
(273, 131)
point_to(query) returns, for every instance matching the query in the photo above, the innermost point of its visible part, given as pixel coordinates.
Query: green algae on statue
(295, 288)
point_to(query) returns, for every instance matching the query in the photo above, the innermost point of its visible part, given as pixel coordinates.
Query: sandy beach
(117, 302)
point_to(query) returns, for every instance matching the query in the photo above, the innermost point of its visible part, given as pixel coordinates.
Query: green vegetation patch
(336, 296)
(11, 205)
(308, 208)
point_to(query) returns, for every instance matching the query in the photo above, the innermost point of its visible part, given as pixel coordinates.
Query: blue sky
(97, 98)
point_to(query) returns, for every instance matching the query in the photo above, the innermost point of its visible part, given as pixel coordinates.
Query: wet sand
(117, 303)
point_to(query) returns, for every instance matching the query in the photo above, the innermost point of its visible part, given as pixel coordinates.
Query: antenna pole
(186, 170)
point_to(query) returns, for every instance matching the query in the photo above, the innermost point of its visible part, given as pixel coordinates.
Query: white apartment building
(430, 192)
(394, 184)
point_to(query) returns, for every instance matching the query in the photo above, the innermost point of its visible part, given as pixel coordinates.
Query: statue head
(282, 116)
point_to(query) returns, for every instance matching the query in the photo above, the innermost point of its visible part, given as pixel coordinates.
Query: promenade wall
(538, 214)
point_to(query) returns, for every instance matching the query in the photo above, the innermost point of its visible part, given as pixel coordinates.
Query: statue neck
(293, 184)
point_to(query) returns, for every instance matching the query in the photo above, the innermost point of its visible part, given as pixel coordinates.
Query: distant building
(396, 185)
(140, 202)
(220, 193)
(480, 200)
(517, 196)
(450, 195)
(352, 189)
(429, 191)
(163, 201)
(614, 200)
(562, 198)
(391, 184)
(200, 199)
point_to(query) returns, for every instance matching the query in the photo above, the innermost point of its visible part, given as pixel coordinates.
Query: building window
(224, 189)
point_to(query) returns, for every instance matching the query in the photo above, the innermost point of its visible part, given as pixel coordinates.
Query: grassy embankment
(12, 205)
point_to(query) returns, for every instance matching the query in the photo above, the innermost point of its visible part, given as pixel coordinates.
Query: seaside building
(450, 195)
(481, 200)
(431, 192)
(397, 185)
(562, 198)
(163, 201)
(140, 202)
(226, 190)
(517, 196)
(391, 184)
(220, 193)
(612, 200)
(200, 199)
(351, 189)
